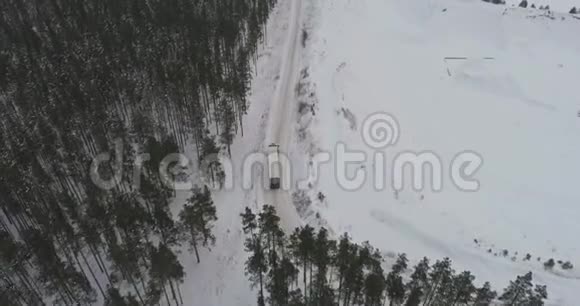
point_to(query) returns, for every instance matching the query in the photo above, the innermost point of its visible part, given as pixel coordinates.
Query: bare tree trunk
(166, 296)
(173, 292)
(132, 280)
(194, 242)
(25, 279)
(179, 292)
(92, 273)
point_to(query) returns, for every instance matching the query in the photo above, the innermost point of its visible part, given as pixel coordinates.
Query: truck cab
(274, 166)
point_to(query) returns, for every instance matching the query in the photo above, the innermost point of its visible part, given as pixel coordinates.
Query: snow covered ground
(514, 100)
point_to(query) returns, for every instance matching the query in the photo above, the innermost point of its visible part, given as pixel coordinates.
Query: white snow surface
(519, 110)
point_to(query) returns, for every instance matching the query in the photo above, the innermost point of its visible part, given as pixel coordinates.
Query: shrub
(548, 265)
(567, 266)
(495, 1)
(573, 11)
(321, 196)
(524, 4)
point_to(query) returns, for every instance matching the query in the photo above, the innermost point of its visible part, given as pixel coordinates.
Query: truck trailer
(274, 166)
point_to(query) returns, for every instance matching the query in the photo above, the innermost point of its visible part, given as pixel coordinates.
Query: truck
(274, 166)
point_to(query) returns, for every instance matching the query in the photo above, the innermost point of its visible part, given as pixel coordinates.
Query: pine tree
(296, 298)
(394, 283)
(573, 10)
(464, 289)
(256, 265)
(419, 283)
(374, 287)
(519, 291)
(537, 298)
(302, 247)
(197, 219)
(484, 295)
(354, 275)
(281, 277)
(269, 224)
(227, 120)
(59, 276)
(249, 222)
(324, 249)
(166, 270)
(208, 158)
(114, 298)
(440, 282)
(15, 274)
(346, 250)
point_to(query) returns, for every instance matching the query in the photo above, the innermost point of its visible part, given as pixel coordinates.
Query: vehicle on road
(274, 166)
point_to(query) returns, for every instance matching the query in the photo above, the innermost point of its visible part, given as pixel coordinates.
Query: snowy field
(512, 97)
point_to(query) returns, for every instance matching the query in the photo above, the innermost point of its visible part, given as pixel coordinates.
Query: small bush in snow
(574, 11)
(567, 266)
(524, 4)
(548, 265)
(302, 202)
(303, 107)
(495, 1)
(321, 197)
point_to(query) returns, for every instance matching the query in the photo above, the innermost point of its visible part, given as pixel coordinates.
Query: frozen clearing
(519, 109)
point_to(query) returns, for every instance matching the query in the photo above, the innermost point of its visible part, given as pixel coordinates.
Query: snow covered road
(280, 118)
